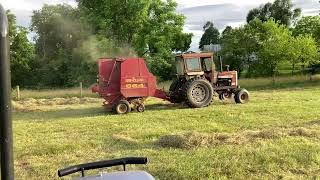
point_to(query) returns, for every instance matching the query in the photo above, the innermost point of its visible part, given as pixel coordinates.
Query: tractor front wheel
(198, 93)
(225, 95)
(123, 107)
(241, 96)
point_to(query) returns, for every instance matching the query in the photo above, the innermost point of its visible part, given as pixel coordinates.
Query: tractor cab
(193, 64)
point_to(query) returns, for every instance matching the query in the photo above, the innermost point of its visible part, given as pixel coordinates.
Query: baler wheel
(198, 93)
(123, 107)
(141, 108)
(241, 96)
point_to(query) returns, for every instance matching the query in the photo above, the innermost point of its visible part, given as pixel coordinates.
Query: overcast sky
(221, 12)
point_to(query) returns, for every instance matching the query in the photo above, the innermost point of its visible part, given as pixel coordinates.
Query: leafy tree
(306, 50)
(60, 30)
(308, 25)
(21, 53)
(262, 46)
(211, 35)
(152, 28)
(241, 45)
(118, 19)
(274, 39)
(281, 10)
(226, 31)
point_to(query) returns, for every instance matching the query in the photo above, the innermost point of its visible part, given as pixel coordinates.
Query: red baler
(125, 83)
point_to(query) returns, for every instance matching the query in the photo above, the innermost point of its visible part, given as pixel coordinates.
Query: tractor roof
(195, 55)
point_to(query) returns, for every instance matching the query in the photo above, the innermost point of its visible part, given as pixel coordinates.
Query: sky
(221, 12)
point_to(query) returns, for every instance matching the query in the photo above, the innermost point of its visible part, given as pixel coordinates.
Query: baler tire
(123, 107)
(141, 108)
(196, 87)
(175, 97)
(241, 96)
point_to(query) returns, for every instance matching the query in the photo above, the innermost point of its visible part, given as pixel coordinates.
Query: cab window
(179, 65)
(193, 64)
(207, 64)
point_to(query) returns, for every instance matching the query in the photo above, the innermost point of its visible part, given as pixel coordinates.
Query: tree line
(69, 40)
(275, 33)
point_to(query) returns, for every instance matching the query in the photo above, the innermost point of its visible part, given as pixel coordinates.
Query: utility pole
(6, 147)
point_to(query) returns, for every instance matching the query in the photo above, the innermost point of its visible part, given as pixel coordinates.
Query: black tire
(141, 108)
(123, 107)
(175, 93)
(241, 96)
(198, 93)
(225, 96)
(221, 97)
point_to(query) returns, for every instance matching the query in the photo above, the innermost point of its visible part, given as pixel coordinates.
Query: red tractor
(197, 80)
(125, 83)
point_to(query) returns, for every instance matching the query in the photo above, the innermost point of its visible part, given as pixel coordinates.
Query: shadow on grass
(161, 107)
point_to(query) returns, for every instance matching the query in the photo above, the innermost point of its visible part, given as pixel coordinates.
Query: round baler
(125, 83)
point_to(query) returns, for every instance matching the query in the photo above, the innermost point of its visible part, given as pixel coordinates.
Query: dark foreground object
(110, 163)
(7, 172)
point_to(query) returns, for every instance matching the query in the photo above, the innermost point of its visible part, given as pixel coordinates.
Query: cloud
(23, 17)
(32, 4)
(221, 12)
(228, 14)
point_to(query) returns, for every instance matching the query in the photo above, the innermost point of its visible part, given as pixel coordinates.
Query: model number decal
(131, 86)
(134, 80)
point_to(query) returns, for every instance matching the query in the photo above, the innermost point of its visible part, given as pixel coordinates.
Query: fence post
(81, 92)
(18, 93)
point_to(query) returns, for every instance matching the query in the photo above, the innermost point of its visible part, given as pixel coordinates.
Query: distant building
(212, 48)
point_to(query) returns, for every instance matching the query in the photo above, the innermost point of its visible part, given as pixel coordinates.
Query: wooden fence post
(18, 93)
(81, 91)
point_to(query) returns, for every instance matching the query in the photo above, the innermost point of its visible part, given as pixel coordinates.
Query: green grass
(274, 136)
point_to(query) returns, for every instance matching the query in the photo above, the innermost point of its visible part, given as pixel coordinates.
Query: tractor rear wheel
(123, 107)
(175, 92)
(198, 93)
(241, 96)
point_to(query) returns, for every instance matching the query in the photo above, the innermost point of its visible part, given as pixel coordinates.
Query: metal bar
(7, 172)
(102, 164)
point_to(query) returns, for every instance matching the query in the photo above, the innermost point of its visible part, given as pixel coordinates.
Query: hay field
(275, 136)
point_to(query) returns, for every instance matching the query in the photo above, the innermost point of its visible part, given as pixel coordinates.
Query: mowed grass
(275, 136)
